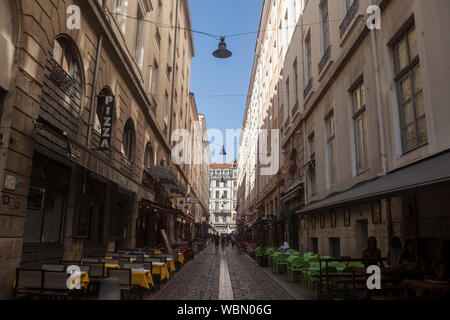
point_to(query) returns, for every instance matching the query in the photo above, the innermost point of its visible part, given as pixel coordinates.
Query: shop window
(46, 202)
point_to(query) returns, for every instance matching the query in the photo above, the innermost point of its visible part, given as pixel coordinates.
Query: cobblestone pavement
(199, 280)
(250, 282)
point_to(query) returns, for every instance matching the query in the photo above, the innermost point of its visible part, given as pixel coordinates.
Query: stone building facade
(86, 120)
(364, 110)
(223, 196)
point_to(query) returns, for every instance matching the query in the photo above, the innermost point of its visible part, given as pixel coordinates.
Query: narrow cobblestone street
(201, 280)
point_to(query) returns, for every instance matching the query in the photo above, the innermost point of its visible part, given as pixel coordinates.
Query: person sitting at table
(442, 269)
(409, 258)
(372, 252)
(284, 247)
(394, 251)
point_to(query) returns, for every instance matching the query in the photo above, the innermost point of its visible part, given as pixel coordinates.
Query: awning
(293, 195)
(425, 173)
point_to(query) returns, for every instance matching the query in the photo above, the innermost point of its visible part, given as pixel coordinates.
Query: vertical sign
(106, 103)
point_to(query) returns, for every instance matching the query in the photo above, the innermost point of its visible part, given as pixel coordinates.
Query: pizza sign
(106, 102)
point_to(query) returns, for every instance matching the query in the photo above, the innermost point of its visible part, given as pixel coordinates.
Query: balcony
(61, 78)
(295, 109)
(326, 57)
(308, 88)
(287, 122)
(351, 13)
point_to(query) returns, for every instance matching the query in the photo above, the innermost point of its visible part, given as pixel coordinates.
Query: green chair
(315, 278)
(295, 265)
(278, 261)
(272, 256)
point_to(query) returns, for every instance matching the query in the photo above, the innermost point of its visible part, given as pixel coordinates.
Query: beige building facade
(364, 110)
(86, 120)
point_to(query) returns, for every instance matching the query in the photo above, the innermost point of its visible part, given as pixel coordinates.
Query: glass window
(331, 144)
(128, 140)
(149, 156)
(360, 125)
(410, 91)
(120, 8)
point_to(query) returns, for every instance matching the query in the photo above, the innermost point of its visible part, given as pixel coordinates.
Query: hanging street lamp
(222, 52)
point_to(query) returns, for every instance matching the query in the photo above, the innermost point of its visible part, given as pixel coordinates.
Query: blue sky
(211, 76)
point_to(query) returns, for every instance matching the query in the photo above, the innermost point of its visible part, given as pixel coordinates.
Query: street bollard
(109, 289)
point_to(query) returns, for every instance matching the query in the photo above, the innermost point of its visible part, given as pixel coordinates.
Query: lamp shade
(222, 52)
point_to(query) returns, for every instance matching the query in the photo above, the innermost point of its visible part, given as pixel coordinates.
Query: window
(217, 194)
(166, 111)
(410, 92)
(217, 183)
(225, 194)
(315, 245)
(325, 26)
(139, 37)
(2, 100)
(312, 164)
(308, 60)
(295, 67)
(360, 125)
(149, 156)
(46, 202)
(154, 80)
(120, 8)
(287, 98)
(65, 57)
(335, 247)
(128, 140)
(331, 150)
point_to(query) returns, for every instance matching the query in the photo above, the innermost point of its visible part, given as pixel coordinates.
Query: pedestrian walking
(222, 242)
(216, 243)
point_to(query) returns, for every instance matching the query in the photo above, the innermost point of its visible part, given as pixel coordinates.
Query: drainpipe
(381, 125)
(173, 75)
(94, 83)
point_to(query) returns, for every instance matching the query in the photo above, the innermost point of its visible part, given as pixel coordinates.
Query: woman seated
(372, 252)
(394, 252)
(409, 258)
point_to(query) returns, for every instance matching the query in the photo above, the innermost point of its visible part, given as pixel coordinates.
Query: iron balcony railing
(287, 122)
(326, 57)
(351, 13)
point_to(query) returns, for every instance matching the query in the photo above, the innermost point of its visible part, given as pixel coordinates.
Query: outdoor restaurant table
(84, 280)
(181, 258)
(157, 254)
(142, 278)
(435, 288)
(170, 265)
(110, 266)
(161, 269)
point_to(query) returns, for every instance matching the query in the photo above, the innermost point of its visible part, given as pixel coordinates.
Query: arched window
(149, 156)
(67, 72)
(128, 140)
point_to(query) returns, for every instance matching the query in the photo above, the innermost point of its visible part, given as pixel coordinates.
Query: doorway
(361, 236)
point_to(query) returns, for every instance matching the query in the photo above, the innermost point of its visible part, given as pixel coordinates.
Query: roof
(224, 165)
(424, 173)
